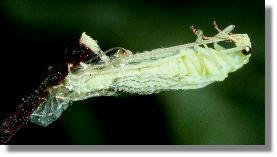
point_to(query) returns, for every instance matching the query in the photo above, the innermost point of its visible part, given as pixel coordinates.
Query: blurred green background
(36, 33)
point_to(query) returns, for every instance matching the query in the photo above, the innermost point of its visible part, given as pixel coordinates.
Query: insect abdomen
(192, 68)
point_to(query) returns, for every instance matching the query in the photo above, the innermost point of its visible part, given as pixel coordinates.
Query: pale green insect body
(188, 68)
(183, 67)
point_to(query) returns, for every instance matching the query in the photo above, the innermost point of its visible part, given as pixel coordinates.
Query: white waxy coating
(181, 67)
(189, 68)
(88, 42)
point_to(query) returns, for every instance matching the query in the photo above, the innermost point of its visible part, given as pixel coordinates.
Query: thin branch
(55, 75)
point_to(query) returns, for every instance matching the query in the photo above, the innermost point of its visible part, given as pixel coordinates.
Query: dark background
(35, 33)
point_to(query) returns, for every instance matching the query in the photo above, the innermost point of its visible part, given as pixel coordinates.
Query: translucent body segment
(50, 110)
(146, 77)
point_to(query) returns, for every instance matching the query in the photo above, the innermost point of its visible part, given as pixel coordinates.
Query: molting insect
(182, 67)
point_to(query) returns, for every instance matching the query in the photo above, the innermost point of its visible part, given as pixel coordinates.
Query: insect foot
(200, 36)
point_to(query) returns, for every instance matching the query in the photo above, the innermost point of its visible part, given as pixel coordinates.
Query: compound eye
(246, 51)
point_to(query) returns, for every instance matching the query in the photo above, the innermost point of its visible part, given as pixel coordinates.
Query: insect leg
(91, 44)
(218, 47)
(200, 36)
(225, 33)
(227, 30)
(106, 52)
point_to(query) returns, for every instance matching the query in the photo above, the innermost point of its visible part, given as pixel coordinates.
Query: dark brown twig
(55, 76)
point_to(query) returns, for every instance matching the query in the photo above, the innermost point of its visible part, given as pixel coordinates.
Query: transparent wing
(50, 110)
